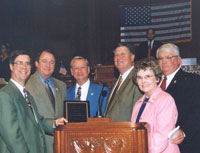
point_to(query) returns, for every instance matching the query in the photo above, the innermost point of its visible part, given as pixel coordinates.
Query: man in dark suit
(123, 97)
(184, 87)
(22, 128)
(89, 91)
(148, 48)
(45, 64)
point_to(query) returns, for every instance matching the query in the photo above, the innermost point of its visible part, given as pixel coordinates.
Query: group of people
(177, 103)
(32, 106)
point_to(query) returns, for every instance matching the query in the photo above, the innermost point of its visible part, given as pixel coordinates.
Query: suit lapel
(42, 90)
(90, 94)
(174, 80)
(21, 100)
(73, 93)
(120, 91)
(56, 95)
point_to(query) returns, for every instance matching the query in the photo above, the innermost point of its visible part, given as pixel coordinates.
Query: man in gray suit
(48, 92)
(121, 101)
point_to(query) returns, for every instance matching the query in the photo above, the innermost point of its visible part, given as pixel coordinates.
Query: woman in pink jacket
(156, 107)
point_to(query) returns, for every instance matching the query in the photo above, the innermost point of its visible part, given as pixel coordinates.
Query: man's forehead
(122, 49)
(166, 53)
(46, 55)
(23, 57)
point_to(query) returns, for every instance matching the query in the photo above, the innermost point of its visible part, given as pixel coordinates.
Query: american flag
(171, 21)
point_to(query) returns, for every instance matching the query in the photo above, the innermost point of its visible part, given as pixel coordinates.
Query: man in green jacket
(22, 128)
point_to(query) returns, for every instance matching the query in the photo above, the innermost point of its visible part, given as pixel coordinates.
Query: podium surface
(99, 135)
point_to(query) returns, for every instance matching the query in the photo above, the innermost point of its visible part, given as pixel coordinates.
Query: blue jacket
(93, 96)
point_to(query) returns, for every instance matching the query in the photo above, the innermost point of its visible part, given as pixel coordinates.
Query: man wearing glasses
(184, 88)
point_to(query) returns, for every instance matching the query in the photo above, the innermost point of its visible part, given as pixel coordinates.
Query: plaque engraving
(76, 111)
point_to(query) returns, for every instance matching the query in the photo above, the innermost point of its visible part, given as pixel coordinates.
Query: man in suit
(22, 128)
(148, 48)
(49, 105)
(121, 101)
(184, 88)
(90, 91)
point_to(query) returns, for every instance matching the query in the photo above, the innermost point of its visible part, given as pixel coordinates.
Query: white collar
(19, 86)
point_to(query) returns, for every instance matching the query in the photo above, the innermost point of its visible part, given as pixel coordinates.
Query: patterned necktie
(78, 94)
(27, 100)
(163, 84)
(29, 103)
(50, 93)
(149, 50)
(141, 109)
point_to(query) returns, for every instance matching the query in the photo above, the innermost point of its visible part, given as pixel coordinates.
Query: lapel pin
(92, 94)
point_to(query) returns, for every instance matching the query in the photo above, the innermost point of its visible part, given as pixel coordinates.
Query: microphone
(103, 93)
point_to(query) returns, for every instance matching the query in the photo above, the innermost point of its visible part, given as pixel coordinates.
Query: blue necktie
(141, 109)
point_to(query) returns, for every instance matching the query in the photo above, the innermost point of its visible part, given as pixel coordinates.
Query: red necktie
(149, 50)
(163, 85)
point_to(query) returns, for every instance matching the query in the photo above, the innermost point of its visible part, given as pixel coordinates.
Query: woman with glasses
(157, 108)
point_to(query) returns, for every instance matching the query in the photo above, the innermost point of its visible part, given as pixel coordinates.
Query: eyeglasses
(167, 58)
(20, 63)
(146, 77)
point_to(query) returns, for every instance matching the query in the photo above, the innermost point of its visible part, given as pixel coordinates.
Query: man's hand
(178, 138)
(60, 121)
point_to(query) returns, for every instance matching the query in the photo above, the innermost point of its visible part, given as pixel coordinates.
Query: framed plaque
(77, 111)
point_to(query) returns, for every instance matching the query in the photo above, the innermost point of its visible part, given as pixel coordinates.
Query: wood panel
(101, 136)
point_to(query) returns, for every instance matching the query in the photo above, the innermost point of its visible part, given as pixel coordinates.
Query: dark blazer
(37, 90)
(142, 51)
(20, 133)
(185, 89)
(93, 96)
(121, 107)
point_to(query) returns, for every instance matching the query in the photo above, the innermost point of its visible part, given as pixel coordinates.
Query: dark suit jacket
(19, 131)
(185, 89)
(37, 90)
(121, 107)
(93, 96)
(142, 51)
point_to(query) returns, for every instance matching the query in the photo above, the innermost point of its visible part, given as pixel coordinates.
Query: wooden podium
(99, 135)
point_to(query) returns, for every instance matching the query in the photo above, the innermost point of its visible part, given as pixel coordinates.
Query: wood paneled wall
(88, 28)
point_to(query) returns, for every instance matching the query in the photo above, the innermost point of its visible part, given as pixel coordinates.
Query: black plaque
(76, 111)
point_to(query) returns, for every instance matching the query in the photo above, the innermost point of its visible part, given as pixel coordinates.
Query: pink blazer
(161, 115)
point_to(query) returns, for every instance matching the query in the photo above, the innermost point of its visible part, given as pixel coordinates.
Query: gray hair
(169, 47)
(79, 58)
